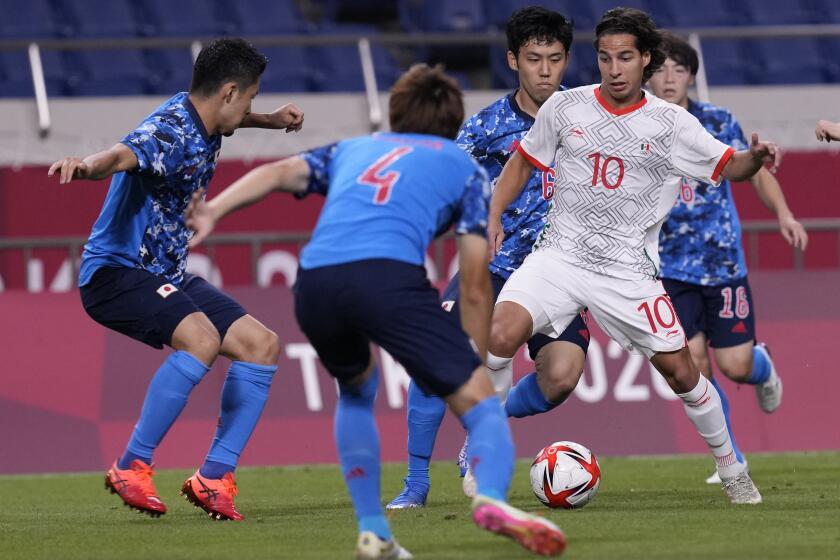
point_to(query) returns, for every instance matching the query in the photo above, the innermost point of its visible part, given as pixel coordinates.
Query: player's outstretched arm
(827, 131)
(771, 195)
(288, 117)
(515, 174)
(746, 163)
(476, 294)
(288, 175)
(96, 166)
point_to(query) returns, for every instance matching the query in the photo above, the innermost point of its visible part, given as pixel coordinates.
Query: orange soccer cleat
(213, 495)
(135, 487)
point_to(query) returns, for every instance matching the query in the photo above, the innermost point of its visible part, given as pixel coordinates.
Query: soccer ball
(565, 475)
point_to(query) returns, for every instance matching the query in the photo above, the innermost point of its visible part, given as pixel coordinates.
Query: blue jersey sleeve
(471, 138)
(158, 145)
(320, 162)
(474, 205)
(735, 135)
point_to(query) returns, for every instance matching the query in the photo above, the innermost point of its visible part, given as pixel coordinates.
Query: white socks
(501, 373)
(703, 408)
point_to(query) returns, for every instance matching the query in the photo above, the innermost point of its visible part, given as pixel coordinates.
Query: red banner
(70, 391)
(33, 205)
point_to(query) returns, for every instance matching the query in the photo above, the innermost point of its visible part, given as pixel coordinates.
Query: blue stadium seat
(16, 75)
(708, 13)
(778, 12)
(827, 11)
(288, 69)
(112, 18)
(266, 17)
(339, 68)
(583, 67)
(359, 11)
(830, 50)
(106, 73)
(498, 11)
(442, 15)
(170, 70)
(185, 18)
(31, 19)
(789, 61)
(726, 63)
(597, 8)
(502, 77)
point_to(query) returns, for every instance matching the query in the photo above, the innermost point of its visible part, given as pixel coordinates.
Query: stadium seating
(107, 72)
(31, 19)
(727, 64)
(16, 76)
(289, 69)
(170, 70)
(161, 71)
(339, 68)
(442, 15)
(266, 17)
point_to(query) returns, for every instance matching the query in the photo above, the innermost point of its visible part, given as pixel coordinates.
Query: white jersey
(618, 174)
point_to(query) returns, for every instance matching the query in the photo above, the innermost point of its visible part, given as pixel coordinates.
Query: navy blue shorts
(577, 332)
(723, 313)
(342, 308)
(148, 308)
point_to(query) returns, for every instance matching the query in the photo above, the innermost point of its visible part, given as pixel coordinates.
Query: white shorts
(637, 314)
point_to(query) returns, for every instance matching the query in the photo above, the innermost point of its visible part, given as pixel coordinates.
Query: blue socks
(724, 403)
(243, 398)
(761, 367)
(357, 441)
(526, 399)
(425, 414)
(165, 399)
(490, 450)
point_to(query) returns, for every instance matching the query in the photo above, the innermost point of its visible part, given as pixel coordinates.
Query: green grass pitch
(647, 508)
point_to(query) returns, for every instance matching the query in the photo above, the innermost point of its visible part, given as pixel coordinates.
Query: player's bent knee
(204, 345)
(560, 383)
(505, 339)
(260, 346)
(197, 335)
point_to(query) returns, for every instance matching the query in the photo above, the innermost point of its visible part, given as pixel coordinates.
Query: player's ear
(229, 89)
(691, 80)
(512, 63)
(645, 59)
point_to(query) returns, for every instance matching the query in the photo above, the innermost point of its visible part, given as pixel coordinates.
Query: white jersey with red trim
(618, 174)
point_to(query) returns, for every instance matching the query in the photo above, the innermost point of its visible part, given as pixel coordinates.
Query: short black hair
(680, 51)
(536, 23)
(225, 60)
(634, 22)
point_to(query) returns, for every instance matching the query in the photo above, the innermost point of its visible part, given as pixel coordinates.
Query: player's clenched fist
(768, 152)
(70, 168)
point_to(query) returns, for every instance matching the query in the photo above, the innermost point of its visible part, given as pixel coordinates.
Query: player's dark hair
(539, 24)
(680, 51)
(226, 60)
(639, 24)
(426, 101)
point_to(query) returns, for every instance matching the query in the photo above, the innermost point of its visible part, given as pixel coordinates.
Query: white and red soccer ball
(565, 474)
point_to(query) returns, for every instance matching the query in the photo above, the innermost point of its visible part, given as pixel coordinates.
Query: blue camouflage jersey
(388, 195)
(490, 137)
(700, 242)
(141, 224)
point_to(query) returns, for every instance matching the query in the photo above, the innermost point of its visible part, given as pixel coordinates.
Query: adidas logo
(740, 328)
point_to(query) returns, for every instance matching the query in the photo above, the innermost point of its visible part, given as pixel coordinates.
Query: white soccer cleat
(769, 393)
(532, 532)
(469, 485)
(715, 477)
(742, 490)
(371, 547)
